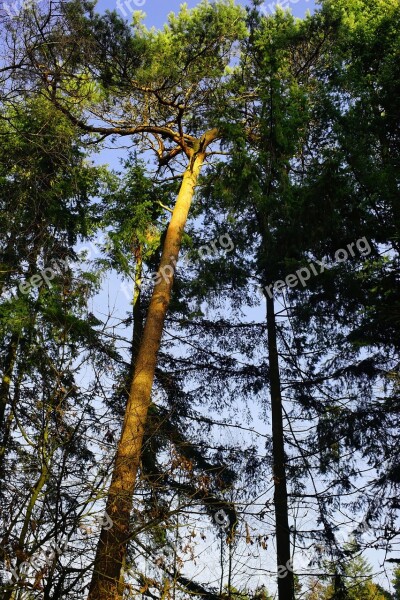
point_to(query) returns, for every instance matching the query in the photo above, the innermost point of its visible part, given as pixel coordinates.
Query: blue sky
(157, 11)
(115, 296)
(156, 15)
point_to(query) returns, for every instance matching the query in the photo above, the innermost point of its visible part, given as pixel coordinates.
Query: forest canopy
(200, 303)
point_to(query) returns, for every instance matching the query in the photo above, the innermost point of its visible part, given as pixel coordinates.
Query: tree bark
(283, 557)
(111, 549)
(136, 339)
(6, 380)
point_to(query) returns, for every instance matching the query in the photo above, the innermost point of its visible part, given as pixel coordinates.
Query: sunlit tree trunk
(111, 550)
(137, 333)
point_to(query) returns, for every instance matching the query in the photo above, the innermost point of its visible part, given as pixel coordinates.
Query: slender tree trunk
(6, 379)
(38, 487)
(6, 434)
(111, 549)
(285, 574)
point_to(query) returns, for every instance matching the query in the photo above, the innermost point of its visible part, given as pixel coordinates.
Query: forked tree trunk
(111, 549)
(285, 573)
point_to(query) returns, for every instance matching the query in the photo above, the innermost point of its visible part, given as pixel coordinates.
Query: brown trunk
(285, 574)
(111, 549)
(6, 379)
(8, 423)
(136, 339)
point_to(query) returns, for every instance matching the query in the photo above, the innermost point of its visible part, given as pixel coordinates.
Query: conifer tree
(163, 88)
(47, 338)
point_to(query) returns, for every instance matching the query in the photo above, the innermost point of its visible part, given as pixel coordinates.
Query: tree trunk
(136, 339)
(111, 549)
(285, 574)
(38, 487)
(6, 379)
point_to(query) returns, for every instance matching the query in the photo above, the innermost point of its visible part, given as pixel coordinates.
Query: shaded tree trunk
(283, 557)
(6, 381)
